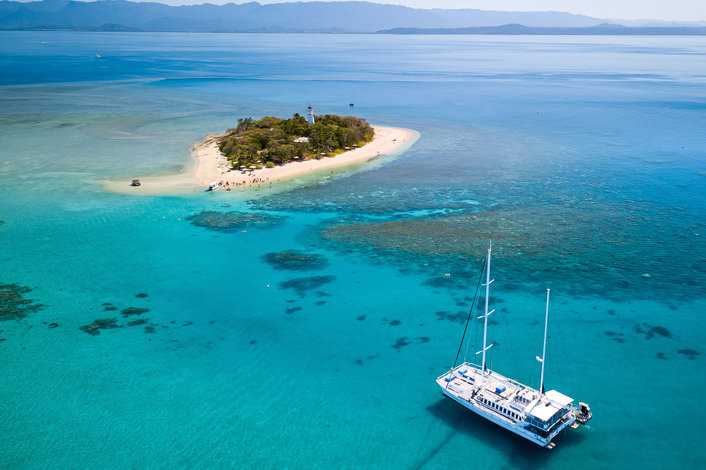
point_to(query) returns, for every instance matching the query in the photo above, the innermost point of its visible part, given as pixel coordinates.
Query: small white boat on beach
(536, 415)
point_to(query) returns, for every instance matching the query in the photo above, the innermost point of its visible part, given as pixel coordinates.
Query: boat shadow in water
(523, 453)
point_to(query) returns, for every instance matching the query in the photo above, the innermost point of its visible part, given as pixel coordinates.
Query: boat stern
(583, 415)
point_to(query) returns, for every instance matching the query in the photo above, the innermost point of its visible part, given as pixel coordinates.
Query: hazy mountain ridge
(519, 29)
(324, 17)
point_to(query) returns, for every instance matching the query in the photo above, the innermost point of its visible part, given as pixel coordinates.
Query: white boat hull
(516, 428)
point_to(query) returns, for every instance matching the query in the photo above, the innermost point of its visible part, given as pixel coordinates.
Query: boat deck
(496, 393)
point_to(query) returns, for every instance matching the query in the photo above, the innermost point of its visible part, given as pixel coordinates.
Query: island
(271, 141)
(266, 153)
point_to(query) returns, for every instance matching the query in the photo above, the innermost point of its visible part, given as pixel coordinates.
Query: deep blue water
(583, 158)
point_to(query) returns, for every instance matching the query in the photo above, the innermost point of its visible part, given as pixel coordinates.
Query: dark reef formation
(304, 284)
(459, 317)
(13, 304)
(229, 222)
(406, 341)
(100, 324)
(690, 353)
(133, 311)
(296, 261)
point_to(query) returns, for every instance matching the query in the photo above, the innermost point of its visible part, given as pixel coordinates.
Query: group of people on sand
(254, 181)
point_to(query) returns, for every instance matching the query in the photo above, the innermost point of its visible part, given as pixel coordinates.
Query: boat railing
(455, 369)
(509, 380)
(480, 368)
(517, 384)
(475, 366)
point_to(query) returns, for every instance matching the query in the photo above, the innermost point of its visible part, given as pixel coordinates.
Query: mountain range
(605, 29)
(310, 17)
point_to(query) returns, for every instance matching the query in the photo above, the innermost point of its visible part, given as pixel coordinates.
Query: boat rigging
(536, 415)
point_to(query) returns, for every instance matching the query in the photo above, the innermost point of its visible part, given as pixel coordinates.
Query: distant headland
(606, 29)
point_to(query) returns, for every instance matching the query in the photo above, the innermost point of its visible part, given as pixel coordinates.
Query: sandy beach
(209, 165)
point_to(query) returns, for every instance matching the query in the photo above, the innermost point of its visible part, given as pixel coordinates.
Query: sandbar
(209, 165)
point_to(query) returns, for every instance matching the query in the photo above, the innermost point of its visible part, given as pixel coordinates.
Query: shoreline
(209, 165)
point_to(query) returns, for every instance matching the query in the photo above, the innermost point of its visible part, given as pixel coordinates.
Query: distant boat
(351, 104)
(98, 56)
(536, 415)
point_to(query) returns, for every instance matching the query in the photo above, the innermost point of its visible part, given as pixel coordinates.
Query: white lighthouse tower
(310, 115)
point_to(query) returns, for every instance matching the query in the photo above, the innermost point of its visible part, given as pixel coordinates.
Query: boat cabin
(549, 410)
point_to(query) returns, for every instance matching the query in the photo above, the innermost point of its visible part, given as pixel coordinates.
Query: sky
(693, 10)
(669, 10)
(682, 10)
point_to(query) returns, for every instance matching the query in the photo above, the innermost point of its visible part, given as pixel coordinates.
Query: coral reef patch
(296, 261)
(100, 324)
(690, 353)
(303, 284)
(659, 331)
(459, 317)
(229, 222)
(133, 311)
(13, 304)
(405, 341)
(580, 241)
(651, 331)
(438, 235)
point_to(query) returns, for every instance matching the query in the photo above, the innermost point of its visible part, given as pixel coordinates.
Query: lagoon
(583, 158)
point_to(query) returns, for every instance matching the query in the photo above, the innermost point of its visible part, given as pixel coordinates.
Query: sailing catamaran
(533, 414)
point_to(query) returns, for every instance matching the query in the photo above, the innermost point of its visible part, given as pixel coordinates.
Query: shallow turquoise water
(582, 157)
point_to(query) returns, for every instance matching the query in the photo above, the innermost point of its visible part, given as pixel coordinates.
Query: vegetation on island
(271, 141)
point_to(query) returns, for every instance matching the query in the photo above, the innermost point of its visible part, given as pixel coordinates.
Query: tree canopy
(274, 141)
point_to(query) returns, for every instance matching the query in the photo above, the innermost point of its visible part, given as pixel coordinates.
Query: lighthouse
(310, 115)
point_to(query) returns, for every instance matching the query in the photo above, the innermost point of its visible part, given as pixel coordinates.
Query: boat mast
(544, 347)
(487, 313)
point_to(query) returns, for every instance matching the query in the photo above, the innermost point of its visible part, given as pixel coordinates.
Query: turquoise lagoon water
(583, 158)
